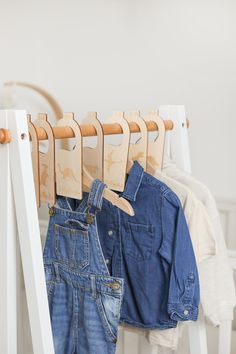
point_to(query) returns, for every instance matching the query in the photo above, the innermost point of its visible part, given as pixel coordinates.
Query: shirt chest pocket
(71, 246)
(138, 241)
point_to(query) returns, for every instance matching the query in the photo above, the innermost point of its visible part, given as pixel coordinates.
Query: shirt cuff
(181, 312)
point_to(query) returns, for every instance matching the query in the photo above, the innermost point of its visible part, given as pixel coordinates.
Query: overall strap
(95, 199)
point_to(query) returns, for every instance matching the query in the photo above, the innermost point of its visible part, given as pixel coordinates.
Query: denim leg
(97, 330)
(62, 312)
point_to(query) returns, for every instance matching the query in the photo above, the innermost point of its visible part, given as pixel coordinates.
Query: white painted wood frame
(8, 296)
(180, 153)
(16, 178)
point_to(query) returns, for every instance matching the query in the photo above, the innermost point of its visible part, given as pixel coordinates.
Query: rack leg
(8, 279)
(225, 337)
(198, 337)
(29, 234)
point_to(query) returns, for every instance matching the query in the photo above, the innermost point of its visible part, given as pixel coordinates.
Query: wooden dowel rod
(89, 130)
(5, 136)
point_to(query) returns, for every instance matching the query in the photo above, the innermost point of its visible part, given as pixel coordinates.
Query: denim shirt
(152, 251)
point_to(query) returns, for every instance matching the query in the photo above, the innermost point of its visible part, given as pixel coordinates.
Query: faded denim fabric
(84, 300)
(152, 251)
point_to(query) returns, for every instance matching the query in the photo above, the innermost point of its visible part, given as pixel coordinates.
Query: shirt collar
(133, 182)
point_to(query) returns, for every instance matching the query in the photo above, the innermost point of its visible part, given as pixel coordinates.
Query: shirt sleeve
(176, 249)
(202, 233)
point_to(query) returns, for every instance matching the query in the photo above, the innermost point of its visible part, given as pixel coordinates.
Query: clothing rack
(19, 220)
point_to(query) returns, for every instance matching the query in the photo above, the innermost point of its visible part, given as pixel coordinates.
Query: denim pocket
(138, 241)
(71, 246)
(109, 309)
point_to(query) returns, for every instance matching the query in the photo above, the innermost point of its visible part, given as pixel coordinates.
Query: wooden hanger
(35, 157)
(109, 195)
(47, 163)
(93, 157)
(75, 159)
(156, 147)
(138, 150)
(116, 156)
(69, 162)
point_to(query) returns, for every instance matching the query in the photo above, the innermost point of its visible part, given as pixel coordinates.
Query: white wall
(110, 55)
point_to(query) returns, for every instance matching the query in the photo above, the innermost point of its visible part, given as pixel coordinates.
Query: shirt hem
(172, 324)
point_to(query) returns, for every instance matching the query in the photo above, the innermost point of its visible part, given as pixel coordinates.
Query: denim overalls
(84, 300)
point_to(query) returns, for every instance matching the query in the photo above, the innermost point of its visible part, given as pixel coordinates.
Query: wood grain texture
(47, 163)
(69, 162)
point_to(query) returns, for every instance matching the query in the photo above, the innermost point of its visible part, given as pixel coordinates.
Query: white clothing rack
(180, 153)
(19, 230)
(18, 217)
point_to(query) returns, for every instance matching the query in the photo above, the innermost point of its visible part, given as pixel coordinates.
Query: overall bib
(84, 300)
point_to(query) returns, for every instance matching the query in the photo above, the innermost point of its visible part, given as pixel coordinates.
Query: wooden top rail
(86, 130)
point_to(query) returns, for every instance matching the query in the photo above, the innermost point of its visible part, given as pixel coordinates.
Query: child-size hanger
(93, 157)
(75, 159)
(156, 147)
(138, 150)
(116, 156)
(108, 194)
(47, 163)
(69, 162)
(35, 157)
